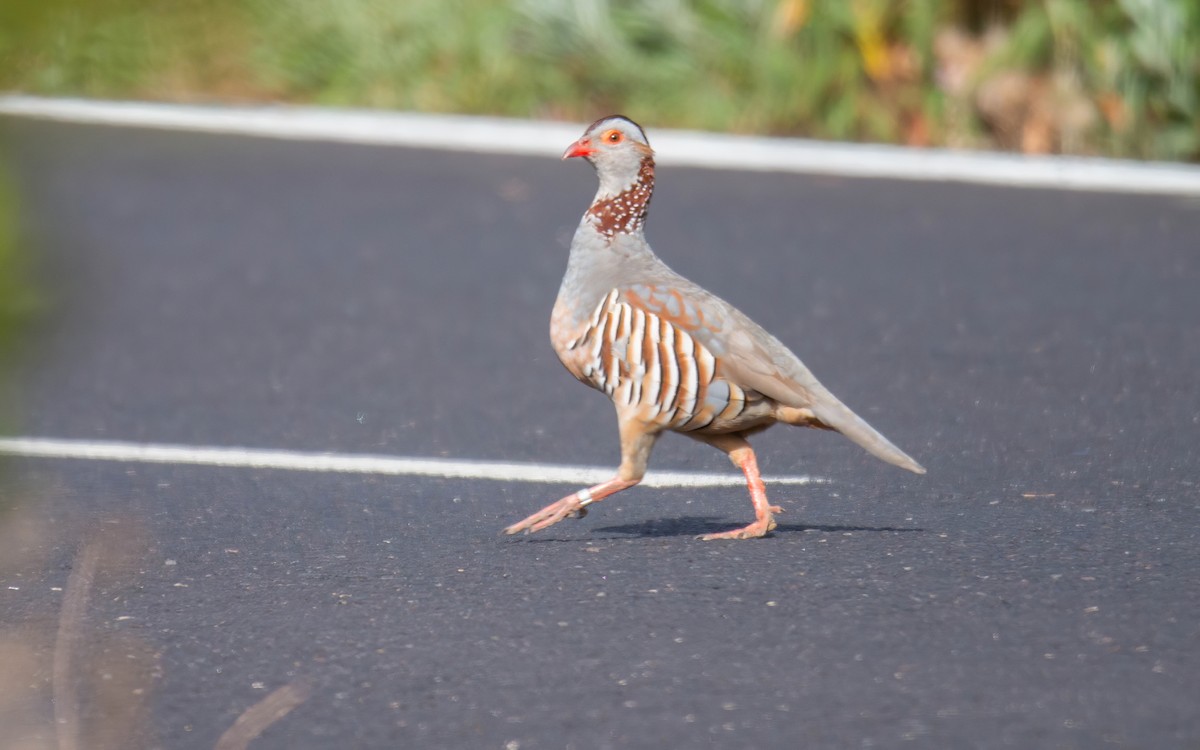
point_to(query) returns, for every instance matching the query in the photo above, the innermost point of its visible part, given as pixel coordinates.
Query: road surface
(1036, 350)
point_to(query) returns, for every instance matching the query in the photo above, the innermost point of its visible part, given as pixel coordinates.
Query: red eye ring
(613, 136)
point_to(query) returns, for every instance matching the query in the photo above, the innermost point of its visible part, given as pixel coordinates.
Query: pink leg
(636, 443)
(743, 457)
(571, 506)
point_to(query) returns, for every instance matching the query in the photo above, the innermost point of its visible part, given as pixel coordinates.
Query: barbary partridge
(669, 354)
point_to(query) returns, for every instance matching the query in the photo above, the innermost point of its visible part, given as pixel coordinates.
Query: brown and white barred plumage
(658, 372)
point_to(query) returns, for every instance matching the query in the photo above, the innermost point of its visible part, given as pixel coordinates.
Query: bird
(670, 355)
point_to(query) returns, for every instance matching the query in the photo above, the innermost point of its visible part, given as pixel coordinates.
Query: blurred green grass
(21, 300)
(1110, 77)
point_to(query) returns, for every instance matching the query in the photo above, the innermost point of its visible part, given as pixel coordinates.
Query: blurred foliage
(1114, 77)
(20, 304)
(19, 300)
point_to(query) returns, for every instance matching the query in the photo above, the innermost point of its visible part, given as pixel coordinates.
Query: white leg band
(585, 497)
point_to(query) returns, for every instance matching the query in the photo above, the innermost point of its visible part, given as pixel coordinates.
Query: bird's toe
(568, 507)
(756, 530)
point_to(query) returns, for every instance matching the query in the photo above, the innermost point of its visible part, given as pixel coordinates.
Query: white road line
(684, 148)
(254, 458)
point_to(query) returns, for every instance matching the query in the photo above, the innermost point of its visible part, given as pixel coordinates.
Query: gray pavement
(1036, 350)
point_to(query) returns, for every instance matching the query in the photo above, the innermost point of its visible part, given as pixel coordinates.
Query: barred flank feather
(647, 364)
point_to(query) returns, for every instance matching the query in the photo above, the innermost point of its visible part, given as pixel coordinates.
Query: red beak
(581, 147)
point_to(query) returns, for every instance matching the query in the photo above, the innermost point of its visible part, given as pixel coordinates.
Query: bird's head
(617, 147)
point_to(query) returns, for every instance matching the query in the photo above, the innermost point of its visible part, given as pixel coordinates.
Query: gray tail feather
(838, 416)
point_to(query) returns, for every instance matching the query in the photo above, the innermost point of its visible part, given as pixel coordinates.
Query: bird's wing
(745, 352)
(754, 359)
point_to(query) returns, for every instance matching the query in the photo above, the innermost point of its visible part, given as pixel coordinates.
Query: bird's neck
(624, 212)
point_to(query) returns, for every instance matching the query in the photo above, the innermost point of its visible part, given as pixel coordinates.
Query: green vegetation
(1114, 77)
(20, 301)
(20, 304)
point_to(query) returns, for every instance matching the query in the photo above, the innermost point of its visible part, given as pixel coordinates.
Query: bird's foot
(569, 507)
(764, 525)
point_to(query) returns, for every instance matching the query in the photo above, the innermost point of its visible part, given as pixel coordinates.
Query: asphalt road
(1036, 350)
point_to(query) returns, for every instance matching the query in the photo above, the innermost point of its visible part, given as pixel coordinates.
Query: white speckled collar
(625, 212)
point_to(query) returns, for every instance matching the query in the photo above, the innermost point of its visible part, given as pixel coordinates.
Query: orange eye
(613, 136)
